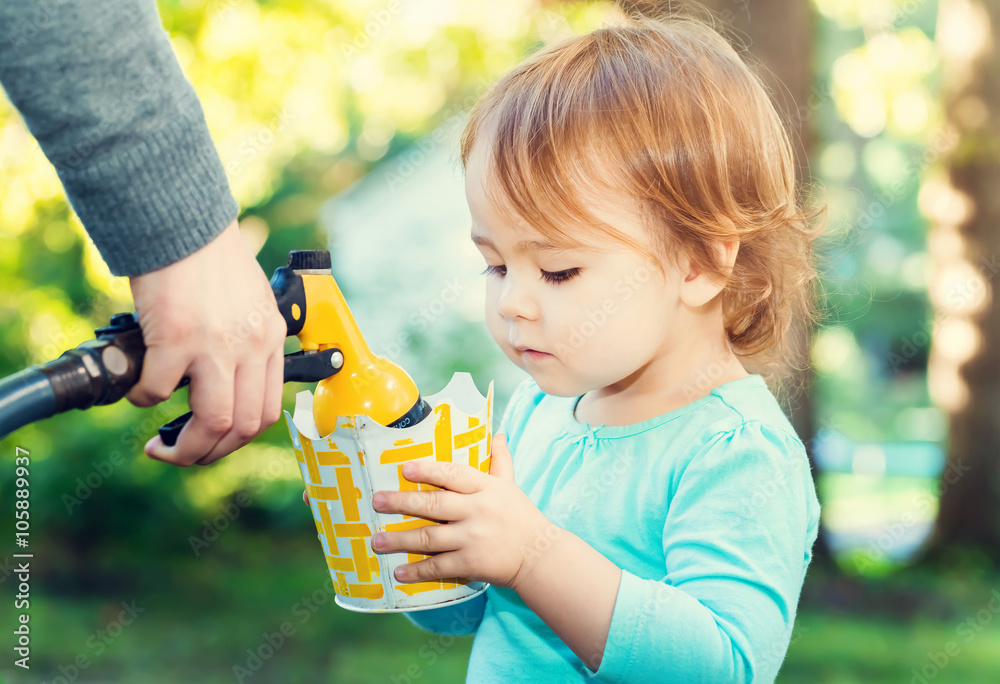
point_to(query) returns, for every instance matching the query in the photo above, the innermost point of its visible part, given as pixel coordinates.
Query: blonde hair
(664, 113)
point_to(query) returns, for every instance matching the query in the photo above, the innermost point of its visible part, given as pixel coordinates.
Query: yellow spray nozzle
(367, 384)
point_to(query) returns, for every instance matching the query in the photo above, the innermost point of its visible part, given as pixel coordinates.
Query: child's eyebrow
(522, 246)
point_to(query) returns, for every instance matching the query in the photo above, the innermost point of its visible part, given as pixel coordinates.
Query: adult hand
(212, 317)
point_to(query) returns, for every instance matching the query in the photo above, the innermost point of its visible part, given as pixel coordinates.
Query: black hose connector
(100, 371)
(25, 397)
(97, 372)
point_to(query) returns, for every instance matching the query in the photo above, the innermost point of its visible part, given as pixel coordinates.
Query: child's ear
(698, 287)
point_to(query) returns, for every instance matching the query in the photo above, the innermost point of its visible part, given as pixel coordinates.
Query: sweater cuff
(158, 201)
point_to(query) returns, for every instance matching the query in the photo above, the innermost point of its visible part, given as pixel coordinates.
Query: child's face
(594, 317)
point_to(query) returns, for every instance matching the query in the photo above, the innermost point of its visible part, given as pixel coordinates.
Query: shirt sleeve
(98, 85)
(737, 541)
(464, 618)
(522, 402)
(456, 620)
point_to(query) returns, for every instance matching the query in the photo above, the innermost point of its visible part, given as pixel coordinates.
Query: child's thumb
(501, 462)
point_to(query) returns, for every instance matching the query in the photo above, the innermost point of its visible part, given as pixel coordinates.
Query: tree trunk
(964, 366)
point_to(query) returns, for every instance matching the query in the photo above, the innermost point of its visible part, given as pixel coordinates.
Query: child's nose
(515, 300)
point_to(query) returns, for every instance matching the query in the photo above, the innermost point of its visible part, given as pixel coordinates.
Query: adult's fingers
(212, 401)
(247, 407)
(275, 382)
(162, 369)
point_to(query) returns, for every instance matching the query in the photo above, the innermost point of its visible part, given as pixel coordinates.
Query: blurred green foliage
(879, 128)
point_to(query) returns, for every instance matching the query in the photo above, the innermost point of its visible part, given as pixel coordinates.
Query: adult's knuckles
(218, 423)
(149, 395)
(277, 328)
(223, 336)
(176, 328)
(247, 429)
(270, 417)
(258, 335)
(138, 398)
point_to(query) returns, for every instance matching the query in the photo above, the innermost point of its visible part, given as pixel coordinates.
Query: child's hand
(492, 528)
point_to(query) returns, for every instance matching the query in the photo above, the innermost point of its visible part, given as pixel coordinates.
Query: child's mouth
(534, 355)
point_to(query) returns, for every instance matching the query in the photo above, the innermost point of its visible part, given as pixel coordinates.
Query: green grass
(197, 619)
(200, 616)
(845, 650)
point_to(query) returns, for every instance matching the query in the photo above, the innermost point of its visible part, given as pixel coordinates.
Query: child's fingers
(501, 461)
(438, 566)
(425, 540)
(305, 497)
(436, 504)
(455, 477)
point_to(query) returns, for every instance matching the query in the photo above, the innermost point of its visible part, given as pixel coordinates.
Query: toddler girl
(649, 514)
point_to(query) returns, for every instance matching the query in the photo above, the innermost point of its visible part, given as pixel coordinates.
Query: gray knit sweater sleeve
(98, 85)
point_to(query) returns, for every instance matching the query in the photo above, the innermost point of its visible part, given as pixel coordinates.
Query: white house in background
(399, 240)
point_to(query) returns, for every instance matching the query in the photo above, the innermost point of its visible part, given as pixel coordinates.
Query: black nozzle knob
(120, 323)
(124, 320)
(313, 259)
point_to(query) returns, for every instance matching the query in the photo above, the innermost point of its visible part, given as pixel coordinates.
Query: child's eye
(560, 276)
(550, 277)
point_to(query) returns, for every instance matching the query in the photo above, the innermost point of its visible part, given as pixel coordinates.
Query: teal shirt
(711, 513)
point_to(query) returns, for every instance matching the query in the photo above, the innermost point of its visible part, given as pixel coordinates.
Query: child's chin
(553, 386)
